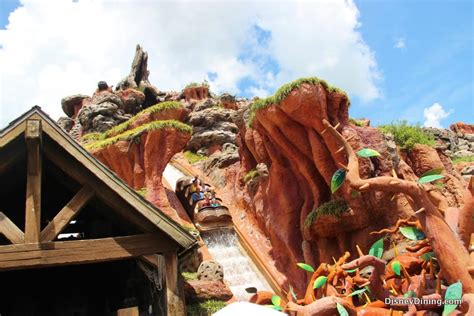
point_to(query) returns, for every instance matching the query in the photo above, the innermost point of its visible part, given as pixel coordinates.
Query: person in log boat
(196, 189)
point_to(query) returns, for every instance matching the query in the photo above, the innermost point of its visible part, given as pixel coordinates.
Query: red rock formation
(196, 93)
(463, 128)
(290, 139)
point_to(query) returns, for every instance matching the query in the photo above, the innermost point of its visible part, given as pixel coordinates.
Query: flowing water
(239, 271)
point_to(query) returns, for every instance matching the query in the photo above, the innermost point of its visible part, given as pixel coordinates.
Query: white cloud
(399, 43)
(55, 48)
(434, 114)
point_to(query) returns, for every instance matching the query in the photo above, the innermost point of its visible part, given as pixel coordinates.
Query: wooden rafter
(21, 256)
(33, 182)
(67, 214)
(175, 299)
(10, 230)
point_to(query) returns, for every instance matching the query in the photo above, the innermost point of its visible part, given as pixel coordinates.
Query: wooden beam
(174, 296)
(37, 255)
(67, 214)
(10, 230)
(33, 182)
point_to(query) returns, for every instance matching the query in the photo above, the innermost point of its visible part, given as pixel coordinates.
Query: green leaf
(278, 308)
(292, 292)
(360, 291)
(377, 248)
(431, 178)
(276, 300)
(319, 282)
(412, 233)
(337, 179)
(453, 292)
(305, 266)
(396, 267)
(341, 310)
(427, 256)
(410, 293)
(432, 172)
(351, 271)
(367, 153)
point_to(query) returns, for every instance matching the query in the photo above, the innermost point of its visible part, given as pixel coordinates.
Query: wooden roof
(60, 148)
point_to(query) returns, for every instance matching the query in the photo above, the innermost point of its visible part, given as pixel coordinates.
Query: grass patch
(334, 207)
(137, 132)
(406, 135)
(356, 122)
(192, 157)
(205, 84)
(463, 159)
(205, 308)
(250, 175)
(284, 91)
(91, 137)
(163, 106)
(189, 276)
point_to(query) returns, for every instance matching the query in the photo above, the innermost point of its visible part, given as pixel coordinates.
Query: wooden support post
(175, 299)
(33, 181)
(10, 230)
(67, 214)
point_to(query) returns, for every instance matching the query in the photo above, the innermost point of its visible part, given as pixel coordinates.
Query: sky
(397, 60)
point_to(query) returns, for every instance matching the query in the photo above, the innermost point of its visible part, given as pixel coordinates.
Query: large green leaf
(319, 282)
(430, 178)
(337, 179)
(396, 267)
(412, 233)
(377, 248)
(292, 292)
(367, 153)
(305, 266)
(341, 310)
(432, 172)
(276, 300)
(453, 292)
(360, 291)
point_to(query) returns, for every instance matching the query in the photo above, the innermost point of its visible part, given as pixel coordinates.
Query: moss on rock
(334, 208)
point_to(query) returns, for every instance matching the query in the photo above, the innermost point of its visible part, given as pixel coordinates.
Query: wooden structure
(60, 209)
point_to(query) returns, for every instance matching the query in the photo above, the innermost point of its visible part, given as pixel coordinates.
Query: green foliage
(356, 122)
(430, 178)
(137, 132)
(284, 91)
(189, 276)
(376, 249)
(205, 308)
(163, 106)
(463, 159)
(334, 207)
(396, 267)
(367, 153)
(412, 233)
(192, 157)
(320, 281)
(341, 310)
(360, 291)
(453, 292)
(250, 175)
(337, 179)
(141, 191)
(91, 137)
(432, 172)
(205, 83)
(305, 266)
(406, 135)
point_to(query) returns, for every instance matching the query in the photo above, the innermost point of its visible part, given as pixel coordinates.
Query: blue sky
(397, 59)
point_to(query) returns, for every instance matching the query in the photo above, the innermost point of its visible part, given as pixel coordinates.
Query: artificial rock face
(210, 270)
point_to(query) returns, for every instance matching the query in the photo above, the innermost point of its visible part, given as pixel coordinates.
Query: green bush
(250, 175)
(189, 276)
(334, 207)
(192, 157)
(284, 91)
(205, 83)
(463, 159)
(206, 308)
(91, 137)
(356, 122)
(406, 135)
(141, 191)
